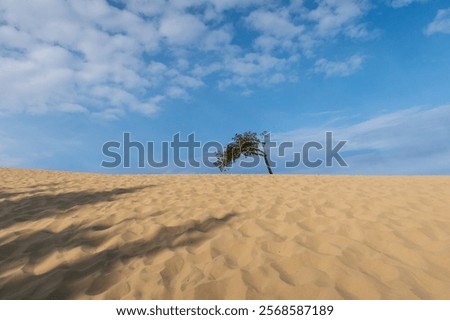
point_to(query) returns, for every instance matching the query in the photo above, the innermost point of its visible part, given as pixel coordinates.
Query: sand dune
(91, 236)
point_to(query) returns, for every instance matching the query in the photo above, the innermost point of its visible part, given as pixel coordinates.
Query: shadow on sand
(30, 208)
(95, 271)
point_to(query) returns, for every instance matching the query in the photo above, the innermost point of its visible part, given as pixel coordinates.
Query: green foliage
(243, 144)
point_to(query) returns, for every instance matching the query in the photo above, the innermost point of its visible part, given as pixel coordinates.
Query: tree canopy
(243, 144)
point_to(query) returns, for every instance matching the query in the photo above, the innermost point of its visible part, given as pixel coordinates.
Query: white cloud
(335, 16)
(205, 70)
(300, 28)
(221, 5)
(416, 140)
(269, 43)
(150, 107)
(218, 39)
(146, 7)
(181, 29)
(12, 38)
(253, 63)
(276, 28)
(93, 57)
(57, 54)
(109, 114)
(440, 24)
(258, 68)
(71, 108)
(176, 92)
(409, 141)
(339, 68)
(187, 81)
(276, 24)
(403, 3)
(358, 31)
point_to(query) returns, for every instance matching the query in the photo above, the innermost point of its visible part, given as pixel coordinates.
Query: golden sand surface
(92, 236)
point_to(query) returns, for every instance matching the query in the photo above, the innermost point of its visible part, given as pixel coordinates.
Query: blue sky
(75, 74)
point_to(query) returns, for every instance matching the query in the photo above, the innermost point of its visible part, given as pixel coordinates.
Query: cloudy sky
(75, 74)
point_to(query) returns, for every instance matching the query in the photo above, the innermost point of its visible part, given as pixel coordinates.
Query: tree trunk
(267, 163)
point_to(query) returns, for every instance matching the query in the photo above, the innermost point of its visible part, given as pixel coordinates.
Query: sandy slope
(86, 236)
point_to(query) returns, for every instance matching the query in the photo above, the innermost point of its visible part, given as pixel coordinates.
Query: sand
(91, 236)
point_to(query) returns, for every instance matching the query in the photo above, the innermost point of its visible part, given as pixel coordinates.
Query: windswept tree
(244, 144)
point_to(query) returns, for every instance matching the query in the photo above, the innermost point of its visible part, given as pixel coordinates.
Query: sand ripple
(89, 236)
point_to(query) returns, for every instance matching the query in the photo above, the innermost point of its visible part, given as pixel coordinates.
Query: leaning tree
(243, 144)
